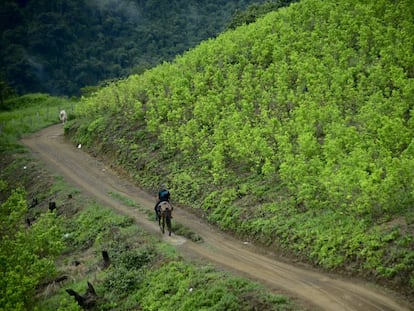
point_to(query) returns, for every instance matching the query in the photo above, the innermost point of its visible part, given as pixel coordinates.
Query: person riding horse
(163, 196)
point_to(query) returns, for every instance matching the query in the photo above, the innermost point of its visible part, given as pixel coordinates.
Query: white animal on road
(63, 116)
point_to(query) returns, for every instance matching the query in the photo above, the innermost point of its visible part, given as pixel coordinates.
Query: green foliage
(6, 92)
(92, 223)
(60, 301)
(31, 100)
(180, 286)
(27, 114)
(168, 251)
(255, 11)
(301, 127)
(71, 47)
(127, 201)
(26, 255)
(128, 270)
(184, 231)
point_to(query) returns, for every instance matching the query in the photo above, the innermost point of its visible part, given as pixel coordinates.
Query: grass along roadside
(143, 273)
(83, 229)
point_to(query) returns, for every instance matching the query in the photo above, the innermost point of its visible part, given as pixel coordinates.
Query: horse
(63, 116)
(164, 216)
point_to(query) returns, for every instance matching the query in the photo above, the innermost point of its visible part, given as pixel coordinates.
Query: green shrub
(26, 254)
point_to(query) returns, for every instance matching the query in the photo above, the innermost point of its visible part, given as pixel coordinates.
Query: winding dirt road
(315, 290)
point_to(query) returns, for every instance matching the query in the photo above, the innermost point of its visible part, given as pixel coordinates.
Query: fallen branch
(86, 301)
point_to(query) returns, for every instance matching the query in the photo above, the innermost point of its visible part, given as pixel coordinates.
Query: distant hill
(58, 47)
(295, 130)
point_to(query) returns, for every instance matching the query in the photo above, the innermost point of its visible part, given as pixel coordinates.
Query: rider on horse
(163, 196)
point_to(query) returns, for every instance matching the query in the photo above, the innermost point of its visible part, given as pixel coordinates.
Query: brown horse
(164, 216)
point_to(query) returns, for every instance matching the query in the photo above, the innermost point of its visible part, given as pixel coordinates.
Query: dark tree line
(61, 46)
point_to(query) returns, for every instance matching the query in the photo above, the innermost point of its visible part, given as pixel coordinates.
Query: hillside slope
(295, 131)
(309, 289)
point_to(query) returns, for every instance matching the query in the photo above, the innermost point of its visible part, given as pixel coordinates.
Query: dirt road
(318, 291)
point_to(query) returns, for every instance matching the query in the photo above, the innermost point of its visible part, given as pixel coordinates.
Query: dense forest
(301, 125)
(59, 47)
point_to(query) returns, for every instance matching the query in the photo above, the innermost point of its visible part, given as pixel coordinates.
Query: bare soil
(312, 289)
